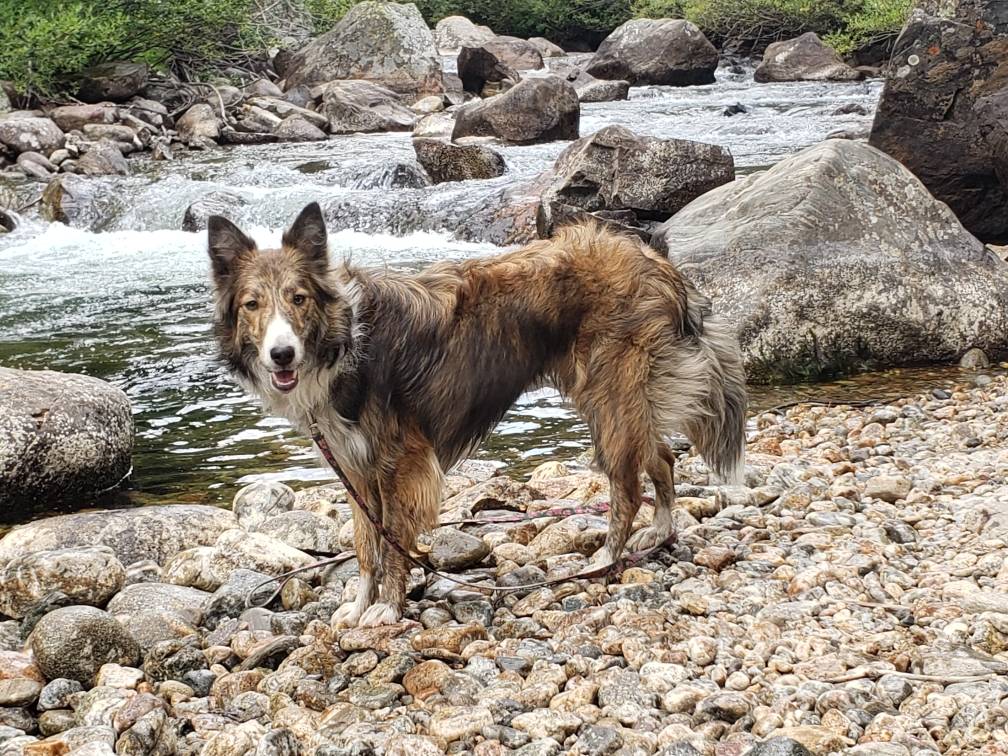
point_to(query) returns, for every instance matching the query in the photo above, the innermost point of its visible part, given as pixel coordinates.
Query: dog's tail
(698, 388)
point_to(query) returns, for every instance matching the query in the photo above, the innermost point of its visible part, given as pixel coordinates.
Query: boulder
(353, 106)
(837, 260)
(656, 51)
(70, 117)
(804, 58)
(303, 530)
(452, 33)
(112, 81)
(615, 169)
(281, 108)
(385, 43)
(199, 126)
(88, 575)
(445, 161)
(24, 133)
(63, 437)
(103, 159)
(944, 109)
(143, 598)
(590, 89)
(214, 203)
(517, 53)
(478, 65)
(546, 48)
(75, 641)
(296, 129)
(155, 533)
(78, 202)
(534, 110)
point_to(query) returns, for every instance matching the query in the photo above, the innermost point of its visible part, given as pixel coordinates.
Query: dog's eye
(299, 299)
(251, 305)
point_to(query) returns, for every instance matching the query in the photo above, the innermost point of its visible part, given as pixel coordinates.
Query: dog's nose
(282, 356)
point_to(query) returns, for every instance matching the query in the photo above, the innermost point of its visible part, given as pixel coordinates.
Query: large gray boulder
(656, 51)
(24, 132)
(837, 260)
(63, 438)
(382, 42)
(518, 53)
(353, 106)
(156, 533)
(804, 58)
(615, 169)
(534, 110)
(115, 81)
(944, 109)
(452, 33)
(590, 89)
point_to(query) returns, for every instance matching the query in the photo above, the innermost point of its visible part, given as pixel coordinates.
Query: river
(126, 298)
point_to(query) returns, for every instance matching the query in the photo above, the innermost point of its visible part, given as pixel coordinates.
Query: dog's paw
(648, 538)
(347, 615)
(380, 614)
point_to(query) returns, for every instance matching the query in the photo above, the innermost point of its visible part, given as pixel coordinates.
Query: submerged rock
(837, 260)
(534, 110)
(804, 58)
(656, 51)
(385, 43)
(62, 436)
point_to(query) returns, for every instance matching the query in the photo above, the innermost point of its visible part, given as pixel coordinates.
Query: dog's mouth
(284, 380)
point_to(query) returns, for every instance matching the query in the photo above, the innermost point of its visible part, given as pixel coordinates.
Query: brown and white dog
(406, 374)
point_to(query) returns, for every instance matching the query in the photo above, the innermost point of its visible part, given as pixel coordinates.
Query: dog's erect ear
(226, 243)
(308, 234)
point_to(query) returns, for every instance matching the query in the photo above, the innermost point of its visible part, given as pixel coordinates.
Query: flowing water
(126, 299)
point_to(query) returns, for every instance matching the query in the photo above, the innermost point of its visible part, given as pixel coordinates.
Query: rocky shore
(852, 597)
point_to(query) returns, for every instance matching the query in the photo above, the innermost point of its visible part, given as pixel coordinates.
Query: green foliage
(325, 13)
(871, 22)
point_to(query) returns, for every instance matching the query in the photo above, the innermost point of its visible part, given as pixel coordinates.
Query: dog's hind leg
(412, 499)
(661, 470)
(367, 543)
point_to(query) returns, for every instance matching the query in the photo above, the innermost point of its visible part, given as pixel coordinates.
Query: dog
(405, 374)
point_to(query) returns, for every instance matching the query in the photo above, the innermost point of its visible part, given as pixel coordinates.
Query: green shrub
(325, 13)
(871, 22)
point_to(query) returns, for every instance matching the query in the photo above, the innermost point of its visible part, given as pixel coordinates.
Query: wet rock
(75, 641)
(85, 575)
(199, 126)
(617, 170)
(103, 158)
(590, 89)
(115, 81)
(384, 43)
(77, 202)
(656, 51)
(534, 110)
(62, 436)
(353, 106)
(892, 220)
(943, 109)
(296, 129)
(215, 203)
(455, 32)
(546, 48)
(804, 58)
(24, 133)
(479, 66)
(445, 161)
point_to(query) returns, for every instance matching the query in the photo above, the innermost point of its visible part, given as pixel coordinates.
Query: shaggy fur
(407, 374)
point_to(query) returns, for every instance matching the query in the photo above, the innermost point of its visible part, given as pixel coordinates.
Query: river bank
(852, 596)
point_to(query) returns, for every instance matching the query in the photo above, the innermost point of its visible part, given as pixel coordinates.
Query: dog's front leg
(367, 543)
(411, 499)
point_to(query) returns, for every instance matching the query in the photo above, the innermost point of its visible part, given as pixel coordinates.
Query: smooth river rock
(534, 110)
(154, 533)
(656, 51)
(446, 161)
(836, 260)
(90, 575)
(75, 641)
(804, 58)
(63, 437)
